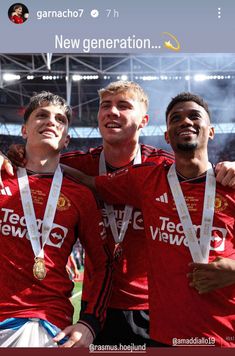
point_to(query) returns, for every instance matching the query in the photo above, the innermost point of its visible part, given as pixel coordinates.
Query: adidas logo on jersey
(163, 198)
(5, 191)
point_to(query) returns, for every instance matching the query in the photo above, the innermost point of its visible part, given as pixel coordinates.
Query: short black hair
(187, 96)
(46, 97)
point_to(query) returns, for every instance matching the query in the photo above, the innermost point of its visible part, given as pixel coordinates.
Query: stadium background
(77, 77)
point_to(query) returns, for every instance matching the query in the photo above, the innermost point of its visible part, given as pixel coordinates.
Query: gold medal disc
(117, 254)
(39, 268)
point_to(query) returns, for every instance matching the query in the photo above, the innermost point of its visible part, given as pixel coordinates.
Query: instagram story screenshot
(117, 177)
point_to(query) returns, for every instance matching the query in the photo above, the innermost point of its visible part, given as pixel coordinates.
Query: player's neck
(120, 155)
(42, 163)
(191, 166)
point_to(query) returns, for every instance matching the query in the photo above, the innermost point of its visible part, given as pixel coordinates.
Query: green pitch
(76, 300)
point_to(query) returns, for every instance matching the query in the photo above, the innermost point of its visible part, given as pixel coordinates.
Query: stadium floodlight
(47, 77)
(124, 77)
(149, 77)
(9, 77)
(200, 77)
(76, 77)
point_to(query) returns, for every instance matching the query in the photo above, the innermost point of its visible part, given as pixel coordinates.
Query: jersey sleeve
(74, 159)
(87, 162)
(124, 186)
(92, 235)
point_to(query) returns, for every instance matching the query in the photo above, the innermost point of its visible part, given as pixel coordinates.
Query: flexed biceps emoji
(169, 45)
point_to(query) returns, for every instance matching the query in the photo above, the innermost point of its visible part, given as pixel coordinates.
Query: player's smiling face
(120, 117)
(188, 127)
(47, 125)
(19, 11)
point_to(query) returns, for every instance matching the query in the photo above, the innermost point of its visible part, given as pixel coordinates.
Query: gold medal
(117, 253)
(39, 268)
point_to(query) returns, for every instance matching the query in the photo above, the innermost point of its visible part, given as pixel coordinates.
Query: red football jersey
(177, 311)
(130, 287)
(17, 19)
(22, 295)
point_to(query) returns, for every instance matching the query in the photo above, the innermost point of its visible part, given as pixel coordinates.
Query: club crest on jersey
(63, 203)
(220, 203)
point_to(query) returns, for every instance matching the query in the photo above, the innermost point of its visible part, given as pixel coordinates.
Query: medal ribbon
(29, 213)
(199, 252)
(109, 208)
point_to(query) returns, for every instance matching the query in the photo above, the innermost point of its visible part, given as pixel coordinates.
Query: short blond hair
(124, 87)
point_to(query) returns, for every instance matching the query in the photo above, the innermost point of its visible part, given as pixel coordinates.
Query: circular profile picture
(18, 13)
